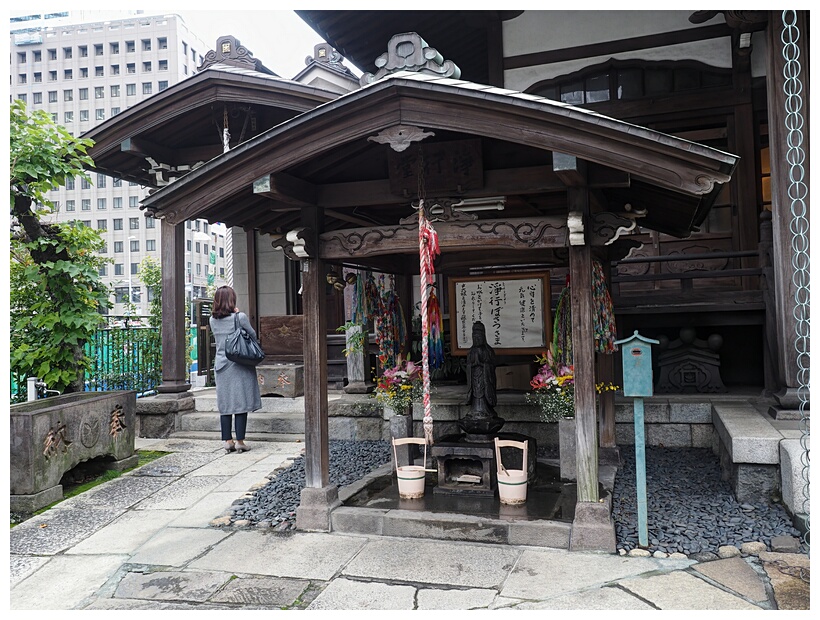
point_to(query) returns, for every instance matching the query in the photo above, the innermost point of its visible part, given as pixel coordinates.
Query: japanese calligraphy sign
(515, 310)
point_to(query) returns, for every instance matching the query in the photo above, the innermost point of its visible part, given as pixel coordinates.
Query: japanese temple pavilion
(334, 181)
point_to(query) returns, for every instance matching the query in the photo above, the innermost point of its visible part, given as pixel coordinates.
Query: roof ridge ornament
(399, 137)
(409, 52)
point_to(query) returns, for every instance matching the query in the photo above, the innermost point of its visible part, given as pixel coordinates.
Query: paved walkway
(147, 540)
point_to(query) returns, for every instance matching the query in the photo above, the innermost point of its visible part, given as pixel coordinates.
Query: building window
(85, 204)
(101, 204)
(69, 183)
(52, 96)
(54, 117)
(68, 117)
(115, 111)
(69, 205)
(99, 114)
(38, 77)
(162, 65)
(83, 49)
(135, 268)
(197, 247)
(117, 223)
(121, 293)
(117, 202)
(150, 245)
(52, 76)
(130, 47)
(146, 66)
(133, 201)
(38, 98)
(150, 222)
(135, 290)
(68, 95)
(146, 88)
(98, 49)
(83, 72)
(38, 56)
(102, 224)
(130, 89)
(114, 48)
(21, 58)
(52, 54)
(134, 223)
(86, 223)
(162, 85)
(131, 67)
(146, 45)
(99, 92)
(67, 52)
(115, 69)
(85, 184)
(115, 90)
(83, 94)
(116, 182)
(135, 245)
(118, 270)
(103, 270)
(68, 74)
(83, 115)
(162, 43)
(99, 71)
(101, 180)
(118, 247)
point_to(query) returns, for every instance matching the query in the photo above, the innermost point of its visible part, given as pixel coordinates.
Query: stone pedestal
(315, 506)
(157, 415)
(286, 379)
(567, 448)
(593, 528)
(358, 374)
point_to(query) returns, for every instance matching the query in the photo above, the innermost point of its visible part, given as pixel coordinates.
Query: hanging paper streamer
(435, 341)
(562, 328)
(389, 322)
(428, 250)
(605, 331)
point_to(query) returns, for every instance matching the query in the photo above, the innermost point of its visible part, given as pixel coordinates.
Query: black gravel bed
(690, 509)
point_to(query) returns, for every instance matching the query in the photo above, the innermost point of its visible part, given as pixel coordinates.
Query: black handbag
(241, 347)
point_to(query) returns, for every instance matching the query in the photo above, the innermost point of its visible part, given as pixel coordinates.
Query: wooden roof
(181, 126)
(324, 157)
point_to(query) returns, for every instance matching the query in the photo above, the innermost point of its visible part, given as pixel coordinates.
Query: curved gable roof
(657, 163)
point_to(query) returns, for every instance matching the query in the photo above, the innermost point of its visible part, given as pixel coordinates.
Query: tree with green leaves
(56, 290)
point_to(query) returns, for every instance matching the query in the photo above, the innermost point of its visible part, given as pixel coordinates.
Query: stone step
(206, 401)
(216, 437)
(284, 423)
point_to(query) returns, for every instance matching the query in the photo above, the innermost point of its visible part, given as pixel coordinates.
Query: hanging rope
(428, 250)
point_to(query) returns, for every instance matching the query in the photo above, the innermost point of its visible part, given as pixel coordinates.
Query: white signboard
(513, 309)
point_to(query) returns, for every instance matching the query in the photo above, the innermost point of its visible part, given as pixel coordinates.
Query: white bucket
(411, 481)
(512, 486)
(512, 483)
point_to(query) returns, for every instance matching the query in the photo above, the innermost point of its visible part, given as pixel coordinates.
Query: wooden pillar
(782, 217)
(172, 259)
(606, 421)
(314, 303)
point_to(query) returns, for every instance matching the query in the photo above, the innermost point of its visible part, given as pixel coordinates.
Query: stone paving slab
(262, 592)
(300, 556)
(345, 594)
(536, 576)
(55, 531)
(436, 599)
(121, 493)
(182, 493)
(116, 604)
(196, 586)
(56, 586)
(604, 599)
(735, 574)
(21, 566)
(445, 563)
(681, 590)
(175, 465)
(177, 546)
(229, 464)
(783, 569)
(205, 510)
(125, 534)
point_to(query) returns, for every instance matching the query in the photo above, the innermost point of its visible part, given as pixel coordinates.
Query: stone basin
(51, 436)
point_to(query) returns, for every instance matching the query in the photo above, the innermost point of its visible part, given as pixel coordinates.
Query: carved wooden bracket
(409, 52)
(399, 137)
(166, 174)
(303, 242)
(609, 226)
(281, 242)
(440, 210)
(575, 225)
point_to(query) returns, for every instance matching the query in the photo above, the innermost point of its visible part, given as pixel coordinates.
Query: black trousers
(240, 422)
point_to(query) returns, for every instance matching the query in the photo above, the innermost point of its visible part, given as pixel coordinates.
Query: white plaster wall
(240, 267)
(270, 285)
(538, 31)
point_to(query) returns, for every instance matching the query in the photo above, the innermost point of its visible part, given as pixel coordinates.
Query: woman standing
(237, 391)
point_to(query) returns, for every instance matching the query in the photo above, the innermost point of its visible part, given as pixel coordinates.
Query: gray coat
(237, 389)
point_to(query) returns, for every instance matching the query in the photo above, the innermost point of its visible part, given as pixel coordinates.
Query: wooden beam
(286, 188)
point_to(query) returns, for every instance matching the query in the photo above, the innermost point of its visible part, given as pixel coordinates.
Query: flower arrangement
(553, 389)
(400, 386)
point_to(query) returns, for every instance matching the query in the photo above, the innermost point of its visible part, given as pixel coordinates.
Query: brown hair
(224, 302)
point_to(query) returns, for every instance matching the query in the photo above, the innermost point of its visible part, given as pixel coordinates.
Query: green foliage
(356, 340)
(55, 305)
(151, 276)
(43, 154)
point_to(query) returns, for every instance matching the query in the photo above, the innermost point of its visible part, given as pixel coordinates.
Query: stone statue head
(479, 334)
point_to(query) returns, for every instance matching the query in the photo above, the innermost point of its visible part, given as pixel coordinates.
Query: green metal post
(640, 472)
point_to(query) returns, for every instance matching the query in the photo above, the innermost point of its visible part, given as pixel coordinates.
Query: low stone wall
(51, 436)
(668, 421)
